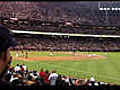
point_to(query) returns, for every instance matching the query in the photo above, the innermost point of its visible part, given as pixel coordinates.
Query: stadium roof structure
(63, 34)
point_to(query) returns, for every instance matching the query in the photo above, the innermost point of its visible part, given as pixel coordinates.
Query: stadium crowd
(66, 43)
(20, 75)
(38, 12)
(41, 10)
(60, 27)
(64, 29)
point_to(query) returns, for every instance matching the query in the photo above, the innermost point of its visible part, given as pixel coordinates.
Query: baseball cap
(6, 39)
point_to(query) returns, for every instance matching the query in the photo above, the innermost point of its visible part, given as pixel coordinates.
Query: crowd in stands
(60, 27)
(20, 75)
(88, 12)
(37, 11)
(64, 29)
(67, 43)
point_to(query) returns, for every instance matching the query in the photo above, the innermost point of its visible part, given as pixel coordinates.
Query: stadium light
(104, 8)
(116, 8)
(100, 8)
(107, 6)
(113, 9)
(108, 9)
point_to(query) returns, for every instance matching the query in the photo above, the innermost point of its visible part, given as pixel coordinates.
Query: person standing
(24, 66)
(26, 55)
(52, 78)
(17, 68)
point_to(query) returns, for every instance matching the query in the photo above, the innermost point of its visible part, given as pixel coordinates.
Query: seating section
(67, 43)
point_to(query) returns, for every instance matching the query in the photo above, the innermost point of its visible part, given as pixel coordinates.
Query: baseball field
(103, 66)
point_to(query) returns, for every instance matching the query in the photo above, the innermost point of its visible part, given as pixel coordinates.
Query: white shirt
(92, 79)
(17, 68)
(67, 81)
(31, 74)
(12, 78)
(53, 78)
(96, 84)
(24, 66)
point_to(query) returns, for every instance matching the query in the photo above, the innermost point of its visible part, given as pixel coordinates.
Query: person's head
(6, 42)
(17, 65)
(30, 77)
(21, 66)
(54, 71)
(47, 72)
(60, 76)
(41, 69)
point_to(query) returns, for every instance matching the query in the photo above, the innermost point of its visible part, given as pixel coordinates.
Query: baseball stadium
(78, 42)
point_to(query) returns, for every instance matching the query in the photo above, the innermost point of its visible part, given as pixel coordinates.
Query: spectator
(53, 77)
(17, 68)
(42, 73)
(21, 68)
(24, 66)
(5, 59)
(14, 80)
(57, 43)
(59, 81)
(30, 81)
(46, 76)
(40, 82)
(92, 82)
(30, 78)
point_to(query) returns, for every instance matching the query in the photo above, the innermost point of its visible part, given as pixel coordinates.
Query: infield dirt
(62, 58)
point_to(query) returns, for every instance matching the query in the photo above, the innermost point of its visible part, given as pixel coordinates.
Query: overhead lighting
(113, 9)
(108, 8)
(100, 8)
(104, 8)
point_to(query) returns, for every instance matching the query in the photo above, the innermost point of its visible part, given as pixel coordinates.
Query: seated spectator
(59, 81)
(46, 76)
(92, 81)
(30, 81)
(39, 81)
(34, 74)
(32, 78)
(42, 73)
(67, 81)
(16, 80)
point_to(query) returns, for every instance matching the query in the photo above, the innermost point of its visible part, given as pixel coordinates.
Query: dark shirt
(4, 83)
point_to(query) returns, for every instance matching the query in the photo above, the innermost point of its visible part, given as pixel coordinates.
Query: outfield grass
(107, 70)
